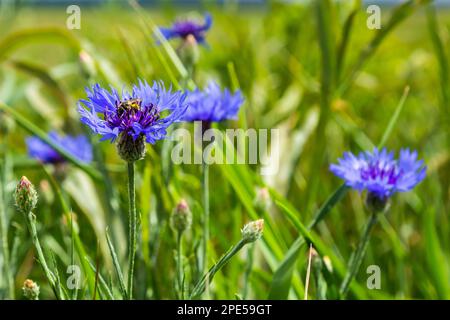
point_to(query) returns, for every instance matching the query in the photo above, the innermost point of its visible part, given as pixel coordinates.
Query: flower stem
(248, 270)
(180, 274)
(4, 220)
(31, 224)
(132, 227)
(358, 255)
(205, 187)
(207, 278)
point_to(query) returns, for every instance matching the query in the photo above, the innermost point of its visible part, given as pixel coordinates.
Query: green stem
(179, 267)
(208, 277)
(248, 270)
(4, 232)
(132, 227)
(31, 224)
(358, 255)
(205, 186)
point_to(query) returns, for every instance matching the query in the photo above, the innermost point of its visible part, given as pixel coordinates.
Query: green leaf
(117, 267)
(282, 277)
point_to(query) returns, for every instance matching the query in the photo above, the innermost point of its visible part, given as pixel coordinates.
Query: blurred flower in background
(184, 28)
(379, 173)
(212, 104)
(78, 146)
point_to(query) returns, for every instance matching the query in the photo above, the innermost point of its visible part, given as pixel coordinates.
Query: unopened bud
(30, 290)
(87, 63)
(189, 52)
(262, 199)
(131, 149)
(6, 123)
(252, 231)
(316, 260)
(181, 218)
(25, 196)
(328, 264)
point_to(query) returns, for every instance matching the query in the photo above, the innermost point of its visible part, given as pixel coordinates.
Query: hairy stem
(358, 255)
(31, 224)
(207, 278)
(180, 273)
(132, 227)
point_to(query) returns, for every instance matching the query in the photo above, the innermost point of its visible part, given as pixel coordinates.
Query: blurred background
(312, 69)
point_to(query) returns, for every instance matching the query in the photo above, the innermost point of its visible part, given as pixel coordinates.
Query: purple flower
(379, 173)
(183, 28)
(146, 111)
(78, 146)
(212, 104)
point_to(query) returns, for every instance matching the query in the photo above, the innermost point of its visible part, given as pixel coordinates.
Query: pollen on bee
(128, 105)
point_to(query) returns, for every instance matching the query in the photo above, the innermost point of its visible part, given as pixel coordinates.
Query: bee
(129, 105)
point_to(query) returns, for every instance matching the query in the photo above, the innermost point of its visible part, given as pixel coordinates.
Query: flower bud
(188, 51)
(181, 218)
(316, 259)
(6, 123)
(25, 196)
(252, 231)
(87, 63)
(131, 149)
(30, 290)
(375, 204)
(262, 199)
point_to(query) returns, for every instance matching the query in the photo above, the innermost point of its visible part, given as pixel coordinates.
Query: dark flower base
(129, 149)
(375, 204)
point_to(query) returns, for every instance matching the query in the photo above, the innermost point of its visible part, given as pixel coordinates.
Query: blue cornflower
(142, 114)
(212, 104)
(379, 173)
(183, 28)
(78, 146)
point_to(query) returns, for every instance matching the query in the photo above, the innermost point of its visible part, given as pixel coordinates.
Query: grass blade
(117, 266)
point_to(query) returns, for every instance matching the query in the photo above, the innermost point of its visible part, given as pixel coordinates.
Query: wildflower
(184, 28)
(133, 118)
(78, 146)
(212, 104)
(380, 174)
(30, 290)
(25, 196)
(181, 218)
(252, 231)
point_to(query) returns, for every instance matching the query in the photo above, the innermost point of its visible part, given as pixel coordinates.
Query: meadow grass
(313, 71)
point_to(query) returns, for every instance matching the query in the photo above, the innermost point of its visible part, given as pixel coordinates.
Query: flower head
(78, 146)
(183, 28)
(379, 173)
(212, 104)
(137, 116)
